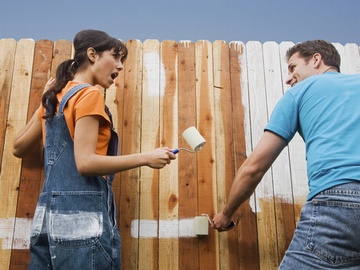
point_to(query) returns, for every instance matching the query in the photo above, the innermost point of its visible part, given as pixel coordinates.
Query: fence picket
(32, 173)
(352, 57)
(168, 176)
(11, 166)
(187, 162)
(246, 215)
(7, 59)
(264, 200)
(150, 139)
(129, 97)
(206, 163)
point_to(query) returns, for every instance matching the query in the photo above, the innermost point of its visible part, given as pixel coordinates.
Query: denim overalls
(74, 225)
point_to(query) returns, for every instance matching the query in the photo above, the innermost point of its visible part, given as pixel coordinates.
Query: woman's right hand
(159, 158)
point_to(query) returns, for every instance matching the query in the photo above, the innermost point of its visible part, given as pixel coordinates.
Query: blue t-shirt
(325, 110)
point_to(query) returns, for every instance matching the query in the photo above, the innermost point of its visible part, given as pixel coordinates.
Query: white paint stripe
(182, 228)
(147, 228)
(168, 228)
(186, 43)
(22, 233)
(6, 232)
(15, 233)
(186, 228)
(151, 62)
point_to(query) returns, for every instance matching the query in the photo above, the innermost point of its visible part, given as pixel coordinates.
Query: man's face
(299, 69)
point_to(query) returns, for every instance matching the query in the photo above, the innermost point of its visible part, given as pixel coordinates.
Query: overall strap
(69, 94)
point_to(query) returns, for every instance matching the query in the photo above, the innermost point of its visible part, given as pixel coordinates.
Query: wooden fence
(226, 90)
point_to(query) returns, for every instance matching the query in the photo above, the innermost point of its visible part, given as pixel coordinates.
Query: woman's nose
(120, 65)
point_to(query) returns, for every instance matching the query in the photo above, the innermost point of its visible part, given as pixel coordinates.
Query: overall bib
(74, 225)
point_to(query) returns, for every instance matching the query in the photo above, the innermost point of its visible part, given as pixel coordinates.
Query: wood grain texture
(32, 173)
(129, 95)
(227, 91)
(150, 139)
(187, 162)
(11, 166)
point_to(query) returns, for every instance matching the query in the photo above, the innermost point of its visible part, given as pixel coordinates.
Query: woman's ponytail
(64, 73)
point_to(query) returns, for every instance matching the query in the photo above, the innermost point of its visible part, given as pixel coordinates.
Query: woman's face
(106, 67)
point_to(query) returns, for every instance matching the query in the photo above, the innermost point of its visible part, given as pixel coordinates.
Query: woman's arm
(89, 163)
(31, 134)
(28, 137)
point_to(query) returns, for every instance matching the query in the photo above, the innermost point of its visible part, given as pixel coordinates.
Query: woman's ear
(91, 54)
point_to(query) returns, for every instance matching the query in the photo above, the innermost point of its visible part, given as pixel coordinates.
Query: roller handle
(229, 227)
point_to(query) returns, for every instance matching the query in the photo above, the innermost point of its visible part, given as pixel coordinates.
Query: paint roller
(229, 227)
(194, 139)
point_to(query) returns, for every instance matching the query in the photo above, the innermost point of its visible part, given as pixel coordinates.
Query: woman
(74, 225)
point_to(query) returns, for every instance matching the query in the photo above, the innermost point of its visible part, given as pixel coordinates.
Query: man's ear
(317, 60)
(91, 54)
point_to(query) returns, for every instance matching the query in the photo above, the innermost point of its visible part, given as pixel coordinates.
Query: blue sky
(229, 20)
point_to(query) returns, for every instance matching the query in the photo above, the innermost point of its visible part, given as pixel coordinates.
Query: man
(323, 107)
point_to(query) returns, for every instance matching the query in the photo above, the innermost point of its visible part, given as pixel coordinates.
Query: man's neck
(326, 69)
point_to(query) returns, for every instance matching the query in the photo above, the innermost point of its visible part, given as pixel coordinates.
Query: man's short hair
(308, 48)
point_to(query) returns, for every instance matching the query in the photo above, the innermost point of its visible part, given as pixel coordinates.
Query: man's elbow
(254, 172)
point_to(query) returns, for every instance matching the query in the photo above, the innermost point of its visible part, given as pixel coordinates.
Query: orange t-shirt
(86, 102)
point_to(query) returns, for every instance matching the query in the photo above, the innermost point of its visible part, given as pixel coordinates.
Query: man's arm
(249, 176)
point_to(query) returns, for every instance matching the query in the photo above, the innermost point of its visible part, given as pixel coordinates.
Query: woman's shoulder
(85, 90)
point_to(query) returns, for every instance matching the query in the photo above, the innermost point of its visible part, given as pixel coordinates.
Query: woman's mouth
(114, 75)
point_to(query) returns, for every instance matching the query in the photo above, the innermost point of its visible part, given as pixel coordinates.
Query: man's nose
(289, 79)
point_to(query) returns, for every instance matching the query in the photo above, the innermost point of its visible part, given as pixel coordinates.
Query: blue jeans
(74, 225)
(328, 233)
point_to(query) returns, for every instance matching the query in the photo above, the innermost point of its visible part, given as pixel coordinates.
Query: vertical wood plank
(284, 210)
(207, 193)
(10, 173)
(343, 66)
(264, 192)
(225, 170)
(245, 216)
(7, 59)
(150, 138)
(129, 101)
(296, 148)
(62, 51)
(187, 162)
(32, 173)
(114, 100)
(168, 177)
(352, 58)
